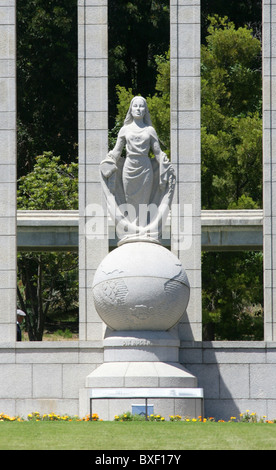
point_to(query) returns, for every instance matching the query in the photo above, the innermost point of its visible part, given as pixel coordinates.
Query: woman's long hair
(129, 118)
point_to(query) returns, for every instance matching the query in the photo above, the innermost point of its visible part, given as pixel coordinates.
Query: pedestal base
(140, 375)
(140, 360)
(141, 346)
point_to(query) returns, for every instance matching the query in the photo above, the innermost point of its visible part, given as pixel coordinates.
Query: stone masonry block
(93, 15)
(7, 42)
(47, 380)
(7, 15)
(96, 120)
(7, 252)
(93, 146)
(262, 381)
(188, 97)
(185, 67)
(8, 306)
(16, 380)
(97, 67)
(185, 120)
(185, 13)
(185, 41)
(185, 146)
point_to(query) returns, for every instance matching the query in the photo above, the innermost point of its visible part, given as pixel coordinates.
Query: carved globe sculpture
(140, 286)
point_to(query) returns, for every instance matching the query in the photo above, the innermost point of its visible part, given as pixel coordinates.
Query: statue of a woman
(138, 188)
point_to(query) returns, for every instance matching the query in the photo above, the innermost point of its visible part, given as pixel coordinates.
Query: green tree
(47, 282)
(46, 80)
(231, 116)
(232, 297)
(231, 140)
(241, 12)
(138, 31)
(51, 185)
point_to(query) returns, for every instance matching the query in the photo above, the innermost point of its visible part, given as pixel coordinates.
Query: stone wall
(236, 376)
(47, 377)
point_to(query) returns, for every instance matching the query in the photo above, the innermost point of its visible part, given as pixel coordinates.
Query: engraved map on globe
(140, 286)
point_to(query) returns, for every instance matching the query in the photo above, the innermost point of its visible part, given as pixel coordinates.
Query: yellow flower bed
(36, 416)
(127, 416)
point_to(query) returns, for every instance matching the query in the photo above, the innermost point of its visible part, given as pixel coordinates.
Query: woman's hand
(108, 168)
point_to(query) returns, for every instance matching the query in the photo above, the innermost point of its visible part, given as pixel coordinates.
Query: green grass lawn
(136, 435)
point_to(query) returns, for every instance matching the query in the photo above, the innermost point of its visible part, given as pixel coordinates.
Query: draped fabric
(137, 182)
(140, 190)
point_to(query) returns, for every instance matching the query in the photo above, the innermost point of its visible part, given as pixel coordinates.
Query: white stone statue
(139, 188)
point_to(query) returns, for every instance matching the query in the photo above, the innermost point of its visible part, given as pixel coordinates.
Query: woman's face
(138, 109)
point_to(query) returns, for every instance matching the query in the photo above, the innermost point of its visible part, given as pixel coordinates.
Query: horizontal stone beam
(47, 230)
(59, 230)
(232, 230)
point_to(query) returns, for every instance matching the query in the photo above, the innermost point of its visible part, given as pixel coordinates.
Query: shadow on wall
(224, 374)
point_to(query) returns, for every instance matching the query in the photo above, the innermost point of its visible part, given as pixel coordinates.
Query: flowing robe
(140, 191)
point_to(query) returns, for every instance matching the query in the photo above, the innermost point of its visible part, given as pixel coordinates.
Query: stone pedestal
(142, 346)
(140, 359)
(140, 290)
